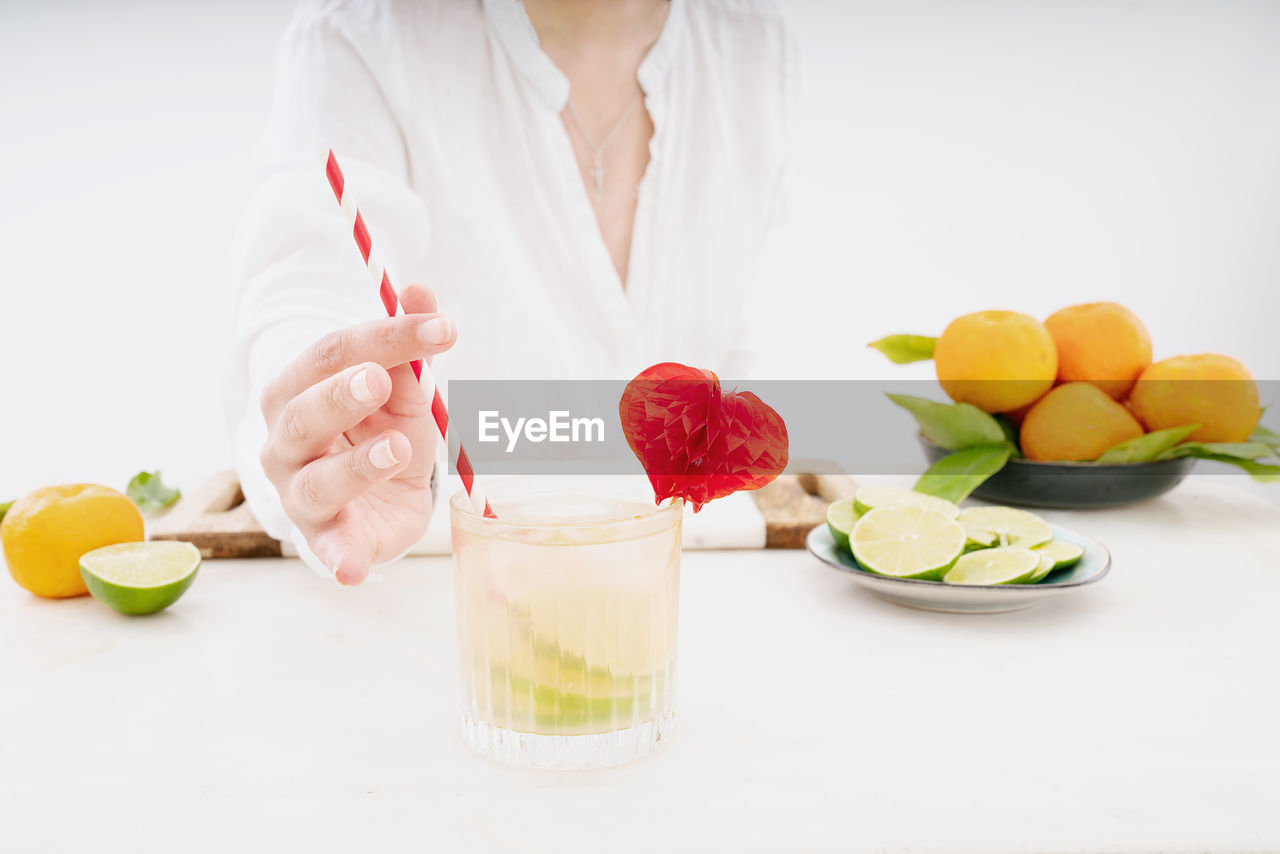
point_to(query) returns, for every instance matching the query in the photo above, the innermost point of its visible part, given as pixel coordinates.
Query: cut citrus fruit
(1046, 566)
(1063, 554)
(979, 538)
(1001, 565)
(878, 497)
(907, 542)
(841, 517)
(1005, 526)
(140, 578)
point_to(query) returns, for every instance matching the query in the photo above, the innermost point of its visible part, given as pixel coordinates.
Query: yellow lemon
(45, 533)
(1101, 343)
(1077, 421)
(998, 361)
(1217, 392)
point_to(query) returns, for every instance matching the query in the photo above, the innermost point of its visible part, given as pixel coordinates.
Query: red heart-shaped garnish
(695, 440)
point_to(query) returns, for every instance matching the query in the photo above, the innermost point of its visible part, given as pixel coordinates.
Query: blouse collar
(513, 28)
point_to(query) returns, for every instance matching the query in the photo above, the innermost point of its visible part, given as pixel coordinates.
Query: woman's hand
(350, 439)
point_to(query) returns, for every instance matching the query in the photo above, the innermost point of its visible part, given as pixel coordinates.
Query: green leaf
(1239, 450)
(1266, 436)
(956, 475)
(1011, 432)
(953, 426)
(149, 492)
(903, 349)
(4, 508)
(1261, 472)
(1149, 447)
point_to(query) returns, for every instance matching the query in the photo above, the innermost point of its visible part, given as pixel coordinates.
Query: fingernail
(437, 330)
(382, 456)
(360, 387)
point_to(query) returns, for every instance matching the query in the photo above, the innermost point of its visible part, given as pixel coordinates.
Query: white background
(950, 157)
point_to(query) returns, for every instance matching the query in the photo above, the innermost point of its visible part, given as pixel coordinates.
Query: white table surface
(269, 711)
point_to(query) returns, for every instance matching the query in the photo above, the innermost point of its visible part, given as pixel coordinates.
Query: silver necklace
(597, 169)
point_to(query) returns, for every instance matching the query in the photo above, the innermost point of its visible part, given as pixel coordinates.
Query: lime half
(1001, 565)
(1063, 554)
(140, 578)
(1005, 526)
(841, 517)
(907, 542)
(878, 497)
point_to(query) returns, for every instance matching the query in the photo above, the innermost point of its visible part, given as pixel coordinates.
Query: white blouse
(445, 117)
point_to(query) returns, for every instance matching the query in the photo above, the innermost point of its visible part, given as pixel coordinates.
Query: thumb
(343, 552)
(418, 299)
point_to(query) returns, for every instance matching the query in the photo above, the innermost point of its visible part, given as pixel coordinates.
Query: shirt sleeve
(297, 272)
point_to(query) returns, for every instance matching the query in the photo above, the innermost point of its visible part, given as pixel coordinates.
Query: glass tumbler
(566, 611)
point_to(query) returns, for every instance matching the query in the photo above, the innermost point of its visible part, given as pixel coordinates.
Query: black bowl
(1074, 485)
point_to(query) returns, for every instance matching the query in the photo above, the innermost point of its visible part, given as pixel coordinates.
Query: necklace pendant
(598, 172)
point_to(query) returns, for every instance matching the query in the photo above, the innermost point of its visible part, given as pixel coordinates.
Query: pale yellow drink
(566, 610)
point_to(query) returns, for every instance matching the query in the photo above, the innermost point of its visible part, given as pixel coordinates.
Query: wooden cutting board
(794, 503)
(217, 521)
(215, 518)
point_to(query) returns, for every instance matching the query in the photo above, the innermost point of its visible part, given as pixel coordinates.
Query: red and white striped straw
(392, 304)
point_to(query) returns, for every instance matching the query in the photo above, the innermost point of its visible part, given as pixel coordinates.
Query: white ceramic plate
(968, 598)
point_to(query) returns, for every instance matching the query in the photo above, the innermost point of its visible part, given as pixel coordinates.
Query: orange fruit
(45, 533)
(1076, 421)
(1101, 343)
(1217, 392)
(996, 360)
(1017, 415)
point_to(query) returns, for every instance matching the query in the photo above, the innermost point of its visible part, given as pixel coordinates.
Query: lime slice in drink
(1063, 554)
(907, 542)
(140, 578)
(1045, 567)
(841, 517)
(877, 497)
(1005, 526)
(1001, 565)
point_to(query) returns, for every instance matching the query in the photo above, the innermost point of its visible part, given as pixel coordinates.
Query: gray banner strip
(514, 427)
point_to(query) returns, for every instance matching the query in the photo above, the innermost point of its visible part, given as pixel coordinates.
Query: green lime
(877, 497)
(841, 517)
(1045, 567)
(1005, 526)
(140, 578)
(907, 542)
(978, 538)
(1001, 565)
(1063, 554)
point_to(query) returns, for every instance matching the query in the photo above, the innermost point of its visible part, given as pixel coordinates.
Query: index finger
(388, 341)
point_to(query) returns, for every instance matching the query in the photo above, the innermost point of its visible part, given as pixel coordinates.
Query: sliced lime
(979, 538)
(841, 517)
(1005, 526)
(1045, 567)
(1063, 554)
(140, 578)
(1001, 565)
(878, 497)
(907, 542)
